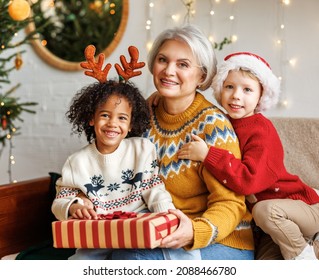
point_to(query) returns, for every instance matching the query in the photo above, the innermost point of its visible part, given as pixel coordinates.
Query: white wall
(45, 139)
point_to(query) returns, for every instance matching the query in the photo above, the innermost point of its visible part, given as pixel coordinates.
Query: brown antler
(128, 68)
(95, 67)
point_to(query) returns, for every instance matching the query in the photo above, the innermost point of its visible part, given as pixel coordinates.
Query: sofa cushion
(299, 137)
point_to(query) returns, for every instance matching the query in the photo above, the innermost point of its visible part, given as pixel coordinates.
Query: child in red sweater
(282, 205)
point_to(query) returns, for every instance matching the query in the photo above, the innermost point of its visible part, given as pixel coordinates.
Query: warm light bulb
(292, 61)
(149, 46)
(212, 13)
(285, 103)
(175, 17)
(234, 38)
(231, 17)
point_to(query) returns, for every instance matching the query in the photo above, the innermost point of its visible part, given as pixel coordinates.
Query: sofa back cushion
(300, 139)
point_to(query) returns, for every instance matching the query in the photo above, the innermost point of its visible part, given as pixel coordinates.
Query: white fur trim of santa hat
(258, 67)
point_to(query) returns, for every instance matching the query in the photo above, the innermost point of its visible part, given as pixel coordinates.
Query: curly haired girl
(117, 170)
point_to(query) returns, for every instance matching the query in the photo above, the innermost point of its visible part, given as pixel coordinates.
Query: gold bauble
(18, 61)
(19, 10)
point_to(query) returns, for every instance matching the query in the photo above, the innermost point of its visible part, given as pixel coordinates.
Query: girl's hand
(184, 234)
(196, 150)
(85, 211)
(87, 202)
(79, 211)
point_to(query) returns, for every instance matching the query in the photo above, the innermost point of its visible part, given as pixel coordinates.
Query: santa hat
(258, 67)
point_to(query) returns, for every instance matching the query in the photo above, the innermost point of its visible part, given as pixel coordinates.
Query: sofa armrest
(25, 214)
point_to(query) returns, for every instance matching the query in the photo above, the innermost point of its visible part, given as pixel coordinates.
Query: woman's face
(112, 122)
(176, 73)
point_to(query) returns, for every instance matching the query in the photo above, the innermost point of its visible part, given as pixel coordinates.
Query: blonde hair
(256, 69)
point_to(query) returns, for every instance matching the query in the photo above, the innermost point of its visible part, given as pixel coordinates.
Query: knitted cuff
(214, 156)
(205, 233)
(163, 207)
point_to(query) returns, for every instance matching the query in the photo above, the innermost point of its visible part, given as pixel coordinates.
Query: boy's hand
(153, 100)
(196, 150)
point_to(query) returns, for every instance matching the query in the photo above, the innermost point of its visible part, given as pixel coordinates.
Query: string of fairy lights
(187, 13)
(282, 45)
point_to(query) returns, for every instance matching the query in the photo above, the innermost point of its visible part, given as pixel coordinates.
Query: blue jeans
(221, 252)
(212, 252)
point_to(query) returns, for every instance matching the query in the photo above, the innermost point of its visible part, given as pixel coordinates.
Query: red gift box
(145, 230)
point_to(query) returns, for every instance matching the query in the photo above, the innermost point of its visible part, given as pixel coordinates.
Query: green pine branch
(220, 46)
(10, 106)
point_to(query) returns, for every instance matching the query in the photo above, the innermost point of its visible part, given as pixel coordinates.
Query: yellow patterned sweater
(218, 214)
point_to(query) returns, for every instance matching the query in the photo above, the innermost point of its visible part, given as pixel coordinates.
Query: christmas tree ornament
(18, 61)
(19, 10)
(4, 122)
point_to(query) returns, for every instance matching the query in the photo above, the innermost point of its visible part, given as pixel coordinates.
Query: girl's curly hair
(89, 98)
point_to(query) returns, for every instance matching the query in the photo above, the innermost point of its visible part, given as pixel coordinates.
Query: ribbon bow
(117, 215)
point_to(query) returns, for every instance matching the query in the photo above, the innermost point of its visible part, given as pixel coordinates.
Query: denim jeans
(221, 252)
(212, 252)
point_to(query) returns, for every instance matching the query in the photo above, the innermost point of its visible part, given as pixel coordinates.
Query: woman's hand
(184, 235)
(196, 150)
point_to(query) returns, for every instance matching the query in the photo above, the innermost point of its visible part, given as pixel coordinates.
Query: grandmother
(213, 219)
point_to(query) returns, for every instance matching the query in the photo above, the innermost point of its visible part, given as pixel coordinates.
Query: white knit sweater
(125, 180)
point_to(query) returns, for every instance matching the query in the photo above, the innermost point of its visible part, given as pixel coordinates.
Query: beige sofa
(299, 137)
(25, 215)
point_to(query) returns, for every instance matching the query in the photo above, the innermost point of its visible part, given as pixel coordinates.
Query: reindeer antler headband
(125, 73)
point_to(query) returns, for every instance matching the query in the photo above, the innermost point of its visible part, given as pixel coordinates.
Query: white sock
(307, 254)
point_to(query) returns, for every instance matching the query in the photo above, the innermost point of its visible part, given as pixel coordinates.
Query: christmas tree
(14, 16)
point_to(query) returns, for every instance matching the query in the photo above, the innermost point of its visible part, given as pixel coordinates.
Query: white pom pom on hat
(257, 66)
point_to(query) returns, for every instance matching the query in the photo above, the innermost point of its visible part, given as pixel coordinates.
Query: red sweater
(261, 170)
